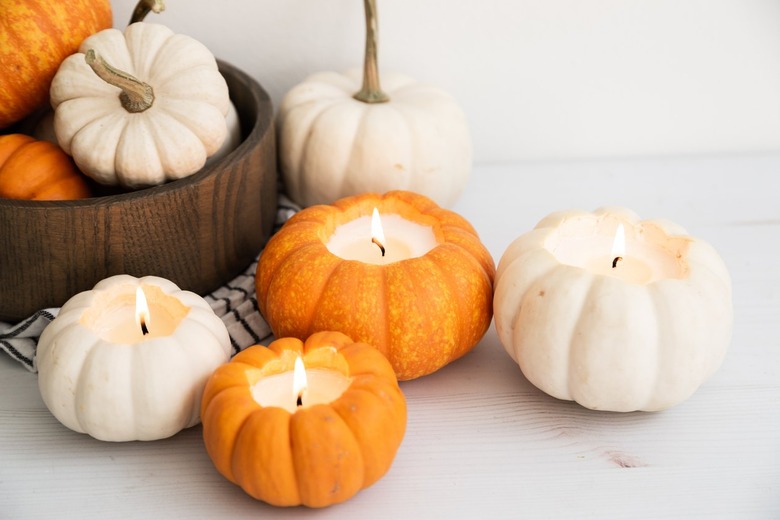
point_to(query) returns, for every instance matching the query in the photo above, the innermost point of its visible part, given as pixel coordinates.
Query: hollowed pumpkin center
(327, 377)
(649, 255)
(407, 233)
(111, 316)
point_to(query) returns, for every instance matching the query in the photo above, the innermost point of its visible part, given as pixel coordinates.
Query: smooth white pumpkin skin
(332, 145)
(606, 343)
(119, 392)
(44, 131)
(233, 138)
(170, 140)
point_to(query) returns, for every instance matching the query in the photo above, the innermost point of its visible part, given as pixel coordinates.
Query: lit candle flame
(377, 233)
(142, 316)
(619, 245)
(299, 381)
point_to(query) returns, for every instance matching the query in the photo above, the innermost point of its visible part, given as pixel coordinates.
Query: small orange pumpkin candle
(316, 443)
(422, 307)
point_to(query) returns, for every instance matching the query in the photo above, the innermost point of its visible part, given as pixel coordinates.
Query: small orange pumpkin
(38, 170)
(421, 313)
(320, 454)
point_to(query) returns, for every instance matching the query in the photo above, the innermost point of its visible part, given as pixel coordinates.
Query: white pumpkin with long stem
(140, 108)
(340, 137)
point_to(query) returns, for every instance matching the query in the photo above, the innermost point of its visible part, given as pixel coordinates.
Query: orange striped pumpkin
(317, 455)
(421, 313)
(35, 36)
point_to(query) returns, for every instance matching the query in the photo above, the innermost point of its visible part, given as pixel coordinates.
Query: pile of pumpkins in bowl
(124, 151)
(165, 159)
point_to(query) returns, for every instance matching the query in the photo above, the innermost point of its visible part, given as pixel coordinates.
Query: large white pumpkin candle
(611, 311)
(128, 360)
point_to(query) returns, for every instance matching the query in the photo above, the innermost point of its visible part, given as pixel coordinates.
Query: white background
(538, 79)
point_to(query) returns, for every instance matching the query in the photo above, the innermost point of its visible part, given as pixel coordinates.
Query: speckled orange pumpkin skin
(319, 455)
(421, 313)
(35, 36)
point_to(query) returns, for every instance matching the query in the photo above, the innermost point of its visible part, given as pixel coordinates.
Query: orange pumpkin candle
(317, 444)
(421, 294)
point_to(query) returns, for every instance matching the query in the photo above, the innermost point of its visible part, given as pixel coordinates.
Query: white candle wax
(404, 239)
(588, 243)
(113, 318)
(322, 386)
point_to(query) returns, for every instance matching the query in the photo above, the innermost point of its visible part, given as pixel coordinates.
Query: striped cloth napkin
(234, 302)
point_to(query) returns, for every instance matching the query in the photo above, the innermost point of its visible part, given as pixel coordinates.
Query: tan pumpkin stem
(136, 96)
(143, 7)
(371, 91)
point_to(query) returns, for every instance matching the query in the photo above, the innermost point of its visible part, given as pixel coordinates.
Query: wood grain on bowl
(198, 232)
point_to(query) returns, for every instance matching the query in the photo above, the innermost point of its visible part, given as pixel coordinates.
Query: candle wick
(144, 329)
(616, 260)
(379, 244)
(299, 401)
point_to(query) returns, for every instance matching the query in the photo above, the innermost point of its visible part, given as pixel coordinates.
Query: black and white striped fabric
(234, 302)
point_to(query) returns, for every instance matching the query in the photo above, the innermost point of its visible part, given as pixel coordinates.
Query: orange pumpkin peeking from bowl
(38, 170)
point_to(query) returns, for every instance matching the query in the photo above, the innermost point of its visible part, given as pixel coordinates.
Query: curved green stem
(371, 91)
(143, 7)
(136, 96)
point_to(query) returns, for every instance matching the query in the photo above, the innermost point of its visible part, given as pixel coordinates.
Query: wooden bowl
(198, 232)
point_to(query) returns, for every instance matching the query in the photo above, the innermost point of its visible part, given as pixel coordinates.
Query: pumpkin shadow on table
(487, 389)
(155, 475)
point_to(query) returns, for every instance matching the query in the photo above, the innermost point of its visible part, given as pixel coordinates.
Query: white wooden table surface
(481, 441)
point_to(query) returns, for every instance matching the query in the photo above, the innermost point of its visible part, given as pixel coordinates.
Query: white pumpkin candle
(300, 388)
(638, 327)
(117, 369)
(611, 246)
(381, 239)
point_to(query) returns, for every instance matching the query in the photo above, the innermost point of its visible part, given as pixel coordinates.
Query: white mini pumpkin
(161, 118)
(337, 139)
(581, 332)
(97, 375)
(44, 131)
